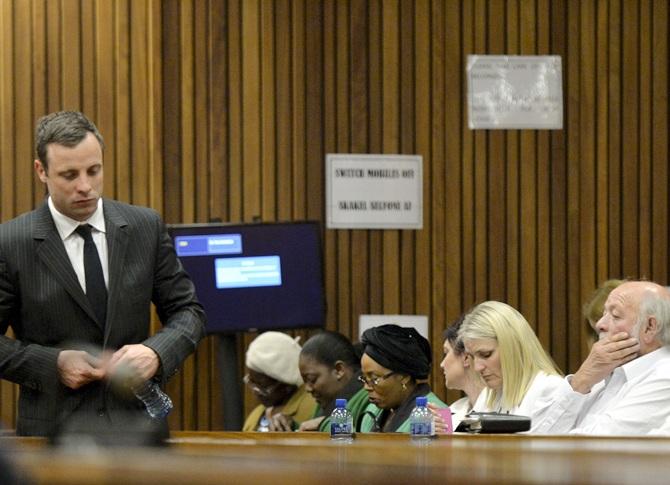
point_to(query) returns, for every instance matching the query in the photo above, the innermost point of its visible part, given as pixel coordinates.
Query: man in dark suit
(65, 353)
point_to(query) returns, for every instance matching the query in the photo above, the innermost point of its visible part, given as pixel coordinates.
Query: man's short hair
(658, 306)
(67, 128)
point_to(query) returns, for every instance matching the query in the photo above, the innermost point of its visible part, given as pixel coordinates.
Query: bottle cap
(421, 401)
(340, 403)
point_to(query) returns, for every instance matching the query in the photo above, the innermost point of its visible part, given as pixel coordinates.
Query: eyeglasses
(374, 381)
(258, 389)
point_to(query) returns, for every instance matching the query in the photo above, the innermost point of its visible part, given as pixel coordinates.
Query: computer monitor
(255, 276)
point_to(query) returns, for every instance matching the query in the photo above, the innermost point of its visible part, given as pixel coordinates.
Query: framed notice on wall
(374, 191)
(515, 92)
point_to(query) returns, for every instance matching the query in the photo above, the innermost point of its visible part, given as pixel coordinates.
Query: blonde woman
(519, 375)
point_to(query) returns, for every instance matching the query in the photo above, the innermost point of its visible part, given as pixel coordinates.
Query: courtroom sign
(374, 191)
(515, 92)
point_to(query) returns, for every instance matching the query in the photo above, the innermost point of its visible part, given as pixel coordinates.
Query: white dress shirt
(633, 400)
(74, 243)
(462, 407)
(537, 402)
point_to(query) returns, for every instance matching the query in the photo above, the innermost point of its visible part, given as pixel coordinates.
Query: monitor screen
(254, 276)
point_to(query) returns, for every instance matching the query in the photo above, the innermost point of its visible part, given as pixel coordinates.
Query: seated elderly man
(623, 386)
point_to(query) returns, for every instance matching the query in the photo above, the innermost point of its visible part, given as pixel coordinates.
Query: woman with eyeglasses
(395, 367)
(519, 374)
(274, 379)
(330, 366)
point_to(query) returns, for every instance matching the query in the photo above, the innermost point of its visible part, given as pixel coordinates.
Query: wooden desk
(305, 458)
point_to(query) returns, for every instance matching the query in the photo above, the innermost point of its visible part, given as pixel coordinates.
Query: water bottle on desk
(421, 427)
(158, 403)
(341, 423)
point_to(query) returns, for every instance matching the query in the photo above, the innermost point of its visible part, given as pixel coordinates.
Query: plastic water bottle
(157, 402)
(341, 423)
(421, 426)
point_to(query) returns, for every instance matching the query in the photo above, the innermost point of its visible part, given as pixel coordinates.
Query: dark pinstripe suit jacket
(41, 299)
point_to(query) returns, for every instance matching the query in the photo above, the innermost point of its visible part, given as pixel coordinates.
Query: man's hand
(281, 422)
(77, 368)
(138, 358)
(311, 424)
(606, 355)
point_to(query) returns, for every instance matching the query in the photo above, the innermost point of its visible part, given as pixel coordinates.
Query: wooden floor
(310, 458)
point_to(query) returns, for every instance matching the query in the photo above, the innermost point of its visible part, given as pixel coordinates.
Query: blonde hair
(521, 354)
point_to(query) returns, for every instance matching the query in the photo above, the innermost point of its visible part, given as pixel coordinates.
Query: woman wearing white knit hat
(274, 378)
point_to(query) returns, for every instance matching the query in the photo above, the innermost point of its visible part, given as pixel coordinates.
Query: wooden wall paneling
(70, 53)
(448, 121)
(7, 142)
(343, 145)
(375, 145)
(659, 140)
(602, 177)
(314, 159)
(139, 163)
(390, 143)
(7, 166)
(154, 106)
(105, 79)
(587, 156)
(171, 82)
(269, 120)
(23, 119)
(467, 162)
(422, 116)
(512, 168)
(39, 87)
(235, 78)
(559, 239)
(440, 67)
(330, 107)
(543, 158)
(54, 58)
(479, 173)
(122, 167)
(251, 91)
(187, 160)
(630, 138)
(426, 265)
(358, 73)
(614, 131)
(573, 133)
(409, 284)
(218, 124)
(201, 151)
(644, 155)
(88, 61)
(528, 185)
(299, 120)
(497, 183)
(284, 180)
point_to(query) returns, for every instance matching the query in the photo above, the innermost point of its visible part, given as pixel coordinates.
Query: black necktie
(95, 280)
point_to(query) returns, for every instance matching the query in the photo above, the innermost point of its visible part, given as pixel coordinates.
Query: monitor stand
(231, 392)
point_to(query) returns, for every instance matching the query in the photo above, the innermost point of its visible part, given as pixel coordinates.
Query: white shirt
(74, 243)
(633, 400)
(462, 407)
(663, 430)
(538, 401)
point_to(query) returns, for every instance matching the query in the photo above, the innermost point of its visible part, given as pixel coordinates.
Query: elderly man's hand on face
(606, 355)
